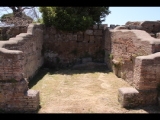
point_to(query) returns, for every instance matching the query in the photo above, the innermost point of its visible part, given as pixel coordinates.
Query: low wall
(123, 46)
(146, 72)
(15, 97)
(65, 49)
(9, 32)
(134, 56)
(20, 58)
(151, 27)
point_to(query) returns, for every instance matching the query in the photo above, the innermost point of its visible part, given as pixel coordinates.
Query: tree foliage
(73, 18)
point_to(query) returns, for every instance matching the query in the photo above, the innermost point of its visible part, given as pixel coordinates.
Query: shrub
(73, 19)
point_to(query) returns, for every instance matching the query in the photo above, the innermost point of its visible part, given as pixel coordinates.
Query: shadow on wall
(64, 49)
(8, 32)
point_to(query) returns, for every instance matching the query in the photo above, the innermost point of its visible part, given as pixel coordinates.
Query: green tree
(73, 18)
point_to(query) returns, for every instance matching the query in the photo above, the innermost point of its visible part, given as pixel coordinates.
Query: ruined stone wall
(20, 58)
(146, 72)
(134, 56)
(65, 49)
(15, 97)
(22, 54)
(9, 32)
(151, 27)
(146, 80)
(123, 47)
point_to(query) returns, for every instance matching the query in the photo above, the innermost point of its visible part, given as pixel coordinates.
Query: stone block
(85, 60)
(53, 30)
(69, 36)
(92, 38)
(80, 38)
(95, 26)
(148, 97)
(97, 32)
(80, 33)
(157, 73)
(158, 35)
(145, 84)
(103, 26)
(86, 37)
(33, 93)
(159, 101)
(2, 96)
(74, 37)
(89, 32)
(146, 61)
(127, 97)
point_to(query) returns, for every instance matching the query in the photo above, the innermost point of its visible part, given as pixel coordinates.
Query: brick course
(20, 59)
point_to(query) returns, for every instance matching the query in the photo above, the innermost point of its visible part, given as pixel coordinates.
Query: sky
(121, 15)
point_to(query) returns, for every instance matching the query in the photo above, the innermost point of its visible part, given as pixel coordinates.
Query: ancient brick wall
(134, 56)
(20, 58)
(146, 80)
(123, 47)
(8, 32)
(65, 49)
(146, 72)
(22, 54)
(15, 97)
(152, 27)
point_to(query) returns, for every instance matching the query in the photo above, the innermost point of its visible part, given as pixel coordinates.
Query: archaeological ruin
(131, 51)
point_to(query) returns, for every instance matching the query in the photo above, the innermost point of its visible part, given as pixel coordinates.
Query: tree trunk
(17, 11)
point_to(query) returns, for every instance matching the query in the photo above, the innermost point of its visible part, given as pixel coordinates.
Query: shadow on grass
(43, 71)
(77, 71)
(148, 109)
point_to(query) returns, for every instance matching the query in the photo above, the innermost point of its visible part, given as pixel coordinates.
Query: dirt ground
(81, 91)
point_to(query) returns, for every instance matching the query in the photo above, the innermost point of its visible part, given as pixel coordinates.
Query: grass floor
(81, 91)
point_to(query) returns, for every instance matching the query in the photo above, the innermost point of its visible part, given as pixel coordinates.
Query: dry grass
(77, 91)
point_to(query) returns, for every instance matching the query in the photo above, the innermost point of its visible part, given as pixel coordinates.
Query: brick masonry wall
(122, 47)
(9, 32)
(20, 58)
(132, 55)
(146, 72)
(65, 49)
(151, 27)
(146, 78)
(137, 54)
(15, 97)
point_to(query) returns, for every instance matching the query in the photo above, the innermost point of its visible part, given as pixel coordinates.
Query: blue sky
(121, 15)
